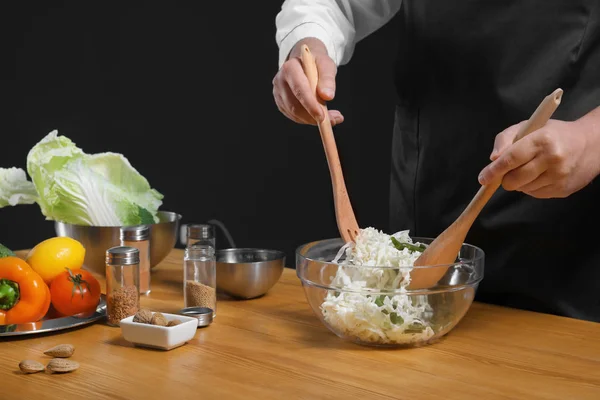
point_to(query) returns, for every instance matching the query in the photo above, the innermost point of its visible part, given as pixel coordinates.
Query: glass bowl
(368, 305)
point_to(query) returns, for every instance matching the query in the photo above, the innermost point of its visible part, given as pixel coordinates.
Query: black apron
(466, 70)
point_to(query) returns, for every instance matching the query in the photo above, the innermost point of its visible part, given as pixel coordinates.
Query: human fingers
(327, 72)
(335, 117)
(505, 139)
(524, 175)
(294, 107)
(513, 157)
(293, 74)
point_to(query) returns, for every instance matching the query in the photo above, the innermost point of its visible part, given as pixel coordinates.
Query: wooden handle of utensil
(541, 115)
(310, 69)
(539, 118)
(344, 214)
(445, 247)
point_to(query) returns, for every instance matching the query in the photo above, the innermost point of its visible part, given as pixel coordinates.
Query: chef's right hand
(291, 89)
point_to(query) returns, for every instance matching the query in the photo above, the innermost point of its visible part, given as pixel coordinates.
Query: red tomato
(75, 293)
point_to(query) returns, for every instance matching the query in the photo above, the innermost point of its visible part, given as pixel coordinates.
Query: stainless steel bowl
(248, 273)
(97, 239)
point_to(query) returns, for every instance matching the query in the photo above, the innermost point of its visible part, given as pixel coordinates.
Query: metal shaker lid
(203, 314)
(122, 255)
(135, 233)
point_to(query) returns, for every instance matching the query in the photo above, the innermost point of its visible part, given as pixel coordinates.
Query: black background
(184, 91)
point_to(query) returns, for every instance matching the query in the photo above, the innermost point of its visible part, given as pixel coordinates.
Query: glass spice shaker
(122, 283)
(203, 234)
(200, 277)
(139, 237)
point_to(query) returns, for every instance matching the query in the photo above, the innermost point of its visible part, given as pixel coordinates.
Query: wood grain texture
(346, 220)
(274, 347)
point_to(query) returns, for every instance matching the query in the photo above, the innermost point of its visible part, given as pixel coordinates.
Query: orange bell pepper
(24, 297)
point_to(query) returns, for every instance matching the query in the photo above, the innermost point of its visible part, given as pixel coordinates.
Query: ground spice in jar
(199, 295)
(122, 303)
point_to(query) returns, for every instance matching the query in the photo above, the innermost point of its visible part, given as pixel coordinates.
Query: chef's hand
(555, 161)
(291, 89)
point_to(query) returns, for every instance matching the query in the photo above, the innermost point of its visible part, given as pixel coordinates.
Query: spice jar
(139, 237)
(122, 283)
(202, 234)
(200, 277)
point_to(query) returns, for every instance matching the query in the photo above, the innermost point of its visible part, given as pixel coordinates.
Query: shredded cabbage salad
(395, 318)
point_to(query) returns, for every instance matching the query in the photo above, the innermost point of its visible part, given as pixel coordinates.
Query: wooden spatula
(346, 220)
(444, 249)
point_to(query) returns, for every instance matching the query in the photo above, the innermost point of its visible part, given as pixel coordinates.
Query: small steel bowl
(248, 273)
(203, 314)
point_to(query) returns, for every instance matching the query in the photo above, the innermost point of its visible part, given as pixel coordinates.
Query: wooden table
(276, 348)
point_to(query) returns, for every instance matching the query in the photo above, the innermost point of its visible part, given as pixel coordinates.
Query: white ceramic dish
(159, 337)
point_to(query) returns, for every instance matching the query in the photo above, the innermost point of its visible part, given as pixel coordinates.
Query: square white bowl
(160, 337)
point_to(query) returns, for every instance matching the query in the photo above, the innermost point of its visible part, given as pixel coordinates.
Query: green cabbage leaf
(71, 186)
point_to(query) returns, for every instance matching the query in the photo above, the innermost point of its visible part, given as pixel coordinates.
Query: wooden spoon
(444, 249)
(346, 220)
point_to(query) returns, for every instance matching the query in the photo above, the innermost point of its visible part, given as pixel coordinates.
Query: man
(467, 70)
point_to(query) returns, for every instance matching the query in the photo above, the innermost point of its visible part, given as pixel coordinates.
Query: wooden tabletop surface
(274, 347)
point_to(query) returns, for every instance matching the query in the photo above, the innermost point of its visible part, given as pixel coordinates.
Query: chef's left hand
(555, 161)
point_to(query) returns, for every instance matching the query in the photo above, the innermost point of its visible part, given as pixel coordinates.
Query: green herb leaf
(414, 328)
(379, 300)
(412, 247)
(396, 319)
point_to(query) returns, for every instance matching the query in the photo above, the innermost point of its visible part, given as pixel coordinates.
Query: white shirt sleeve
(339, 24)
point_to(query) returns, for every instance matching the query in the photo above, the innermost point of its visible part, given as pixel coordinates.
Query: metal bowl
(248, 273)
(98, 239)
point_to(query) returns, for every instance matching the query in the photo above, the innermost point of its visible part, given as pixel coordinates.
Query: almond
(61, 351)
(60, 365)
(174, 322)
(30, 366)
(159, 319)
